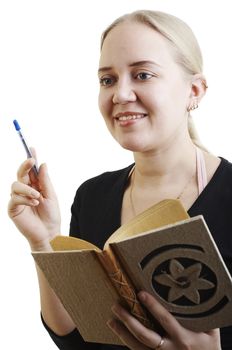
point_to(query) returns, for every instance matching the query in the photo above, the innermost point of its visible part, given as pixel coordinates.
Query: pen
(28, 152)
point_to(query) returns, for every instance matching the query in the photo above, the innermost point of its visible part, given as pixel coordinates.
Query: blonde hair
(187, 52)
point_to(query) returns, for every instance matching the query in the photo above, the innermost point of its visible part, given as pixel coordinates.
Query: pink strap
(201, 170)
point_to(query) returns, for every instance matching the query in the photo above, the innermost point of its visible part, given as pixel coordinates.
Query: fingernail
(45, 167)
(35, 194)
(142, 296)
(34, 202)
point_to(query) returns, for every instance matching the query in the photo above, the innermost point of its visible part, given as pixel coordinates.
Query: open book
(162, 251)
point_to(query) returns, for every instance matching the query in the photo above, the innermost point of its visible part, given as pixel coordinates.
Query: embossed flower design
(184, 281)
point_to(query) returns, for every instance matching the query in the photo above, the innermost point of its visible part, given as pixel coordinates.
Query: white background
(49, 53)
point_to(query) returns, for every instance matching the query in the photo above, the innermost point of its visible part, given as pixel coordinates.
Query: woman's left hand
(137, 337)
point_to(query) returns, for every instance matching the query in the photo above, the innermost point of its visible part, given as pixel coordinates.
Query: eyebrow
(144, 62)
(134, 64)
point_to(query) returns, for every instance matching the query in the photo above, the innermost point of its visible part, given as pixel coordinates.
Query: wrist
(41, 246)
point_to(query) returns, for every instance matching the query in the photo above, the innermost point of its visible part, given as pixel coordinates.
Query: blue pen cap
(16, 124)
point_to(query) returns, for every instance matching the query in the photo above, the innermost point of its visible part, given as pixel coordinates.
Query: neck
(165, 164)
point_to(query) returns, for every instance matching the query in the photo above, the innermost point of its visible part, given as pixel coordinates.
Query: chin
(134, 147)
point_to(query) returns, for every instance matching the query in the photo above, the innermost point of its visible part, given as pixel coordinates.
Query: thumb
(33, 152)
(46, 187)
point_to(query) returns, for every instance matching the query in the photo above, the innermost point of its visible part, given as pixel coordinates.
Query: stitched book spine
(124, 286)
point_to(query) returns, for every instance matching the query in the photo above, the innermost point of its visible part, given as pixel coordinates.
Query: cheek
(153, 95)
(100, 102)
(104, 103)
(168, 101)
(152, 100)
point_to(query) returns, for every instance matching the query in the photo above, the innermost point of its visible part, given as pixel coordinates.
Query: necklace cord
(200, 173)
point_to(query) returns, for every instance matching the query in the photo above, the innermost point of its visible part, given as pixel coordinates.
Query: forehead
(132, 41)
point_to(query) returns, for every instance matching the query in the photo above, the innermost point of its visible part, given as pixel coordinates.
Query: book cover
(178, 263)
(181, 266)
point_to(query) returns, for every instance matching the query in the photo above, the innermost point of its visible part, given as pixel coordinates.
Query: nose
(123, 93)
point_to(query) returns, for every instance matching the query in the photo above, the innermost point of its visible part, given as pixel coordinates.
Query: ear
(197, 92)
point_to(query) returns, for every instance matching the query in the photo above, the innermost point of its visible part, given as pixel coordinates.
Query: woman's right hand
(33, 206)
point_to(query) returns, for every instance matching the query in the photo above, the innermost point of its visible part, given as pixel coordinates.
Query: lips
(129, 116)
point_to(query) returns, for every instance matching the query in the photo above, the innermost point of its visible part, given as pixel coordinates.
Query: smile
(125, 117)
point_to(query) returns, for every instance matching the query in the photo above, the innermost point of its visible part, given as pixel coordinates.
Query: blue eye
(107, 81)
(144, 76)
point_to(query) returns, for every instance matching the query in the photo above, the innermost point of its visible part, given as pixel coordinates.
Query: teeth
(130, 117)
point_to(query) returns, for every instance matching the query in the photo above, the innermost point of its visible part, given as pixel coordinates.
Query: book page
(61, 243)
(165, 212)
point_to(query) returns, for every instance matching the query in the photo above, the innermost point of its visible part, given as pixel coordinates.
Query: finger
(126, 337)
(46, 186)
(24, 169)
(17, 200)
(19, 188)
(144, 335)
(33, 152)
(34, 172)
(163, 317)
(214, 334)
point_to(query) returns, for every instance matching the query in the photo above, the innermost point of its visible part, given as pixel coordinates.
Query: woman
(150, 75)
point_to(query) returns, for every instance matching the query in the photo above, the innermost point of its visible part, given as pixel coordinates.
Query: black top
(96, 214)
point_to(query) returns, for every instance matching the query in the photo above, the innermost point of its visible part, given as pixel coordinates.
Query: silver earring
(192, 106)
